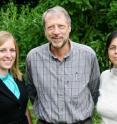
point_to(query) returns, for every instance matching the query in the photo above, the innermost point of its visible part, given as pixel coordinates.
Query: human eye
(61, 26)
(50, 28)
(112, 48)
(2, 50)
(13, 50)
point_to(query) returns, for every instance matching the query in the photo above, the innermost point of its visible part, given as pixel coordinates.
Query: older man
(63, 75)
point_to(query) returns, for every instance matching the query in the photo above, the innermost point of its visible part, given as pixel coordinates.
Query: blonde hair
(15, 71)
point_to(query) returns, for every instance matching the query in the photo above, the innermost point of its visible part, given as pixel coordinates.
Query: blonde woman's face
(7, 56)
(112, 52)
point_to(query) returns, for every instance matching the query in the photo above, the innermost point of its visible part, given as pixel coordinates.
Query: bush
(92, 21)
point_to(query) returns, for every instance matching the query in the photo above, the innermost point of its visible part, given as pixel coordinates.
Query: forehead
(114, 41)
(8, 43)
(54, 17)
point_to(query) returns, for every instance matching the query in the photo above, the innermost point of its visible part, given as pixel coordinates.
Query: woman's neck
(3, 72)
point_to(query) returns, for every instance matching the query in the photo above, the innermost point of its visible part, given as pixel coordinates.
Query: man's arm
(29, 83)
(94, 80)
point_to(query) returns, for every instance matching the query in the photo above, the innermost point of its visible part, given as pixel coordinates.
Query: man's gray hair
(57, 9)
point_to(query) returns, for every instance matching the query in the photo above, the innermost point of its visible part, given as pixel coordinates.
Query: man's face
(57, 29)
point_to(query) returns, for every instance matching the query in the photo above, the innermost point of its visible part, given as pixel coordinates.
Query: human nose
(56, 30)
(116, 50)
(8, 54)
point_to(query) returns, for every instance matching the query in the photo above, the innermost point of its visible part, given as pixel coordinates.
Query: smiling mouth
(6, 61)
(56, 38)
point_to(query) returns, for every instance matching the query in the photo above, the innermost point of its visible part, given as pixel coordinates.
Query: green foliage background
(92, 21)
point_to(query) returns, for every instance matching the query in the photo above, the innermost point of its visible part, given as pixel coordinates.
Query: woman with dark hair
(13, 95)
(107, 101)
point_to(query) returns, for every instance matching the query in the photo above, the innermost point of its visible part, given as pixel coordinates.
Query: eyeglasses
(113, 48)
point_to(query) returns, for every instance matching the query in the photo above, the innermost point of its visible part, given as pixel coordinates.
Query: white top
(107, 101)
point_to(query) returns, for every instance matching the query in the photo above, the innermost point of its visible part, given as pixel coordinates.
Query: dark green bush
(91, 23)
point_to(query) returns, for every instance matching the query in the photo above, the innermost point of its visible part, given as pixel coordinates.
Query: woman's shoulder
(20, 81)
(105, 73)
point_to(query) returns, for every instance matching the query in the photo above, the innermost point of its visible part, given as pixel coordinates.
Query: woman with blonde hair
(13, 95)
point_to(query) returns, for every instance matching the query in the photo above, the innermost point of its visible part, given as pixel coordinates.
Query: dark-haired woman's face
(112, 52)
